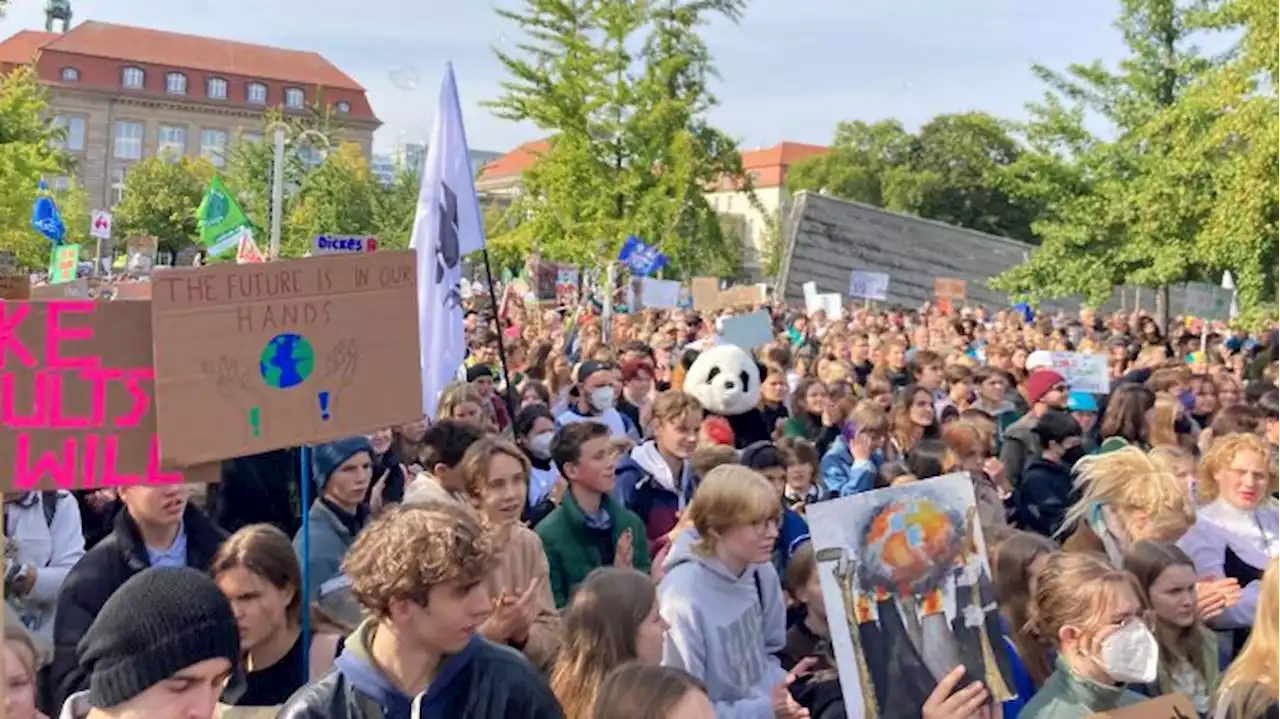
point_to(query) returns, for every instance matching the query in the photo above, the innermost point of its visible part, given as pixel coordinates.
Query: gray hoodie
(724, 630)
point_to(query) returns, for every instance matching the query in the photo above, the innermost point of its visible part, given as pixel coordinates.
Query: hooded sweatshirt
(645, 484)
(723, 629)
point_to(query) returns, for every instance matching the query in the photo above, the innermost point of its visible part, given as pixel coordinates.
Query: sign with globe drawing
(251, 358)
(909, 594)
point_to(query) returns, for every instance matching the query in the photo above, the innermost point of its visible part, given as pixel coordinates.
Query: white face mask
(602, 398)
(1131, 654)
(540, 444)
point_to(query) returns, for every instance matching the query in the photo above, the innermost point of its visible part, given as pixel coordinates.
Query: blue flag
(640, 258)
(45, 218)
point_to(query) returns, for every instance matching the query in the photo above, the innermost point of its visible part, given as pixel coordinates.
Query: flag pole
(502, 348)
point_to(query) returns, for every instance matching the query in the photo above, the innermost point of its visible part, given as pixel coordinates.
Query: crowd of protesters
(576, 536)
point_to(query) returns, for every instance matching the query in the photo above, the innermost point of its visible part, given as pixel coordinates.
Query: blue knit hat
(325, 458)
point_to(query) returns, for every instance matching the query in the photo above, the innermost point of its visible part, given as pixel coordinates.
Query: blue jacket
(842, 475)
(792, 532)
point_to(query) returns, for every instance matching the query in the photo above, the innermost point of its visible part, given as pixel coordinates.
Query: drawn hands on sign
(340, 367)
(448, 251)
(234, 383)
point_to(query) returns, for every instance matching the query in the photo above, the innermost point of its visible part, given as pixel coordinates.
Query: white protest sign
(747, 331)
(100, 225)
(659, 294)
(831, 303)
(343, 244)
(869, 285)
(1206, 301)
(1083, 372)
(810, 291)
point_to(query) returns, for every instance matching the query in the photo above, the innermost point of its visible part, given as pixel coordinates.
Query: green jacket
(571, 552)
(1067, 696)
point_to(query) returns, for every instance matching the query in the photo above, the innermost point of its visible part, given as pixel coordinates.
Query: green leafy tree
(161, 194)
(623, 87)
(395, 208)
(859, 164)
(338, 197)
(28, 154)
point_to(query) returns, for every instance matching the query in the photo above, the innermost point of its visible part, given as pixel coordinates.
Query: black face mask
(1073, 455)
(1182, 425)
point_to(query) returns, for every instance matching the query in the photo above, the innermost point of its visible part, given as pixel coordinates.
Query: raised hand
(622, 553)
(784, 705)
(946, 703)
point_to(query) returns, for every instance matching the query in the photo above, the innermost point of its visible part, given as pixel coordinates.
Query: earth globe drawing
(910, 543)
(287, 361)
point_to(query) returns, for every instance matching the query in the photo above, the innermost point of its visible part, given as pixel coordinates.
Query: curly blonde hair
(408, 549)
(1220, 456)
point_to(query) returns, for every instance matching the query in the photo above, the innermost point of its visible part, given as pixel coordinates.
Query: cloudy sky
(789, 71)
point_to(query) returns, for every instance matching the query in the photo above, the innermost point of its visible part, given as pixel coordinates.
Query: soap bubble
(406, 78)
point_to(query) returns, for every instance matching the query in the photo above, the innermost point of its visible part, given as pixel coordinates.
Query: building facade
(500, 181)
(126, 93)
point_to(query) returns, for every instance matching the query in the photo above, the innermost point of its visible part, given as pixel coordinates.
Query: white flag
(447, 228)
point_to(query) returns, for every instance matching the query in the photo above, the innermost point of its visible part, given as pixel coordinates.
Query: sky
(790, 70)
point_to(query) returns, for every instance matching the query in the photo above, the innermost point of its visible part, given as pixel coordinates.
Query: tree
(335, 198)
(859, 163)
(632, 152)
(394, 209)
(1116, 218)
(161, 194)
(28, 154)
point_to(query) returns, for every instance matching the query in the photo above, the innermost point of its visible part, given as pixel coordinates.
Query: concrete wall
(828, 238)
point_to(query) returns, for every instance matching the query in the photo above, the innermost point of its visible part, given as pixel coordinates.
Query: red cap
(1040, 382)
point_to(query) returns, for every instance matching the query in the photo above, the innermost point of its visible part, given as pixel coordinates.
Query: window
(133, 77)
(61, 183)
(70, 74)
(175, 83)
(312, 157)
(118, 175)
(171, 139)
(344, 106)
(75, 127)
(213, 146)
(257, 93)
(217, 88)
(250, 137)
(294, 98)
(128, 140)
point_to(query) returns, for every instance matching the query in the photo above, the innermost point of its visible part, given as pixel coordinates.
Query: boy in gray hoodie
(722, 600)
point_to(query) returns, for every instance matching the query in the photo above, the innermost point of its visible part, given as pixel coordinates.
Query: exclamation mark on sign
(324, 405)
(255, 421)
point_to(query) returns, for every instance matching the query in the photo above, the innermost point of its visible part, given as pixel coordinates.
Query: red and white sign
(100, 225)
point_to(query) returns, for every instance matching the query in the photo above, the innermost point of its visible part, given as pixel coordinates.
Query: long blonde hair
(1164, 414)
(1127, 481)
(1249, 684)
(598, 633)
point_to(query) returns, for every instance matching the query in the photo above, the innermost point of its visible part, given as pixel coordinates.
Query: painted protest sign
(343, 244)
(78, 408)
(706, 293)
(1083, 372)
(74, 290)
(949, 288)
(63, 263)
(15, 285)
(251, 358)
(869, 285)
(909, 595)
(140, 253)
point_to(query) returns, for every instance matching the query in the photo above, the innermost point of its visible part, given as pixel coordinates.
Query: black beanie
(158, 623)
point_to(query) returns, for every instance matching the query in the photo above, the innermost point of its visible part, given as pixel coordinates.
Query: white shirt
(610, 418)
(53, 549)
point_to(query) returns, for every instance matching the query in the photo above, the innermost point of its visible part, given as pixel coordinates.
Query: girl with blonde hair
(1249, 687)
(1163, 421)
(1095, 618)
(722, 598)
(612, 619)
(462, 402)
(1125, 497)
(21, 660)
(1237, 527)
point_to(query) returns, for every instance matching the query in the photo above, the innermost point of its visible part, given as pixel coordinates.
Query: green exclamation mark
(255, 421)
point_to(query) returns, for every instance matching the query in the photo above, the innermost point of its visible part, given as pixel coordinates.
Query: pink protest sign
(77, 407)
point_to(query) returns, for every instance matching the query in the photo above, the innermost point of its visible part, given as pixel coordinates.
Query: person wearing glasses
(1046, 390)
(1237, 527)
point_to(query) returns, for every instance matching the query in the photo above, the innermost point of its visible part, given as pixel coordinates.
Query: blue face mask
(1188, 399)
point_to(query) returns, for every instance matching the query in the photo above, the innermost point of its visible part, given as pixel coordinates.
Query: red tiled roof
(783, 154)
(193, 52)
(516, 161)
(21, 47)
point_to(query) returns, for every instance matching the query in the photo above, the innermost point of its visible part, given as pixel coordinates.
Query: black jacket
(497, 682)
(1042, 498)
(260, 488)
(98, 575)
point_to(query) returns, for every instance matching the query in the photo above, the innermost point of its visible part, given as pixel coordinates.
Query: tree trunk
(1162, 309)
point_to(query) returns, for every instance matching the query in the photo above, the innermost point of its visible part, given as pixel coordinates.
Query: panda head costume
(725, 380)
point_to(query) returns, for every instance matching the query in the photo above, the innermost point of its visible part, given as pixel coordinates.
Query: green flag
(220, 218)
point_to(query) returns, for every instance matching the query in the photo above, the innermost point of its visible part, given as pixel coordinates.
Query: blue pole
(304, 479)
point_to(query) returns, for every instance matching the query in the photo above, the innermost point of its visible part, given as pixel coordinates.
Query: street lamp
(280, 129)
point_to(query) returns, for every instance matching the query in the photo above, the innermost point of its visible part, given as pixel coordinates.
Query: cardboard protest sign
(949, 288)
(251, 358)
(78, 407)
(870, 285)
(15, 287)
(543, 276)
(1083, 372)
(742, 295)
(63, 263)
(133, 291)
(566, 284)
(747, 331)
(706, 293)
(73, 290)
(1168, 706)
